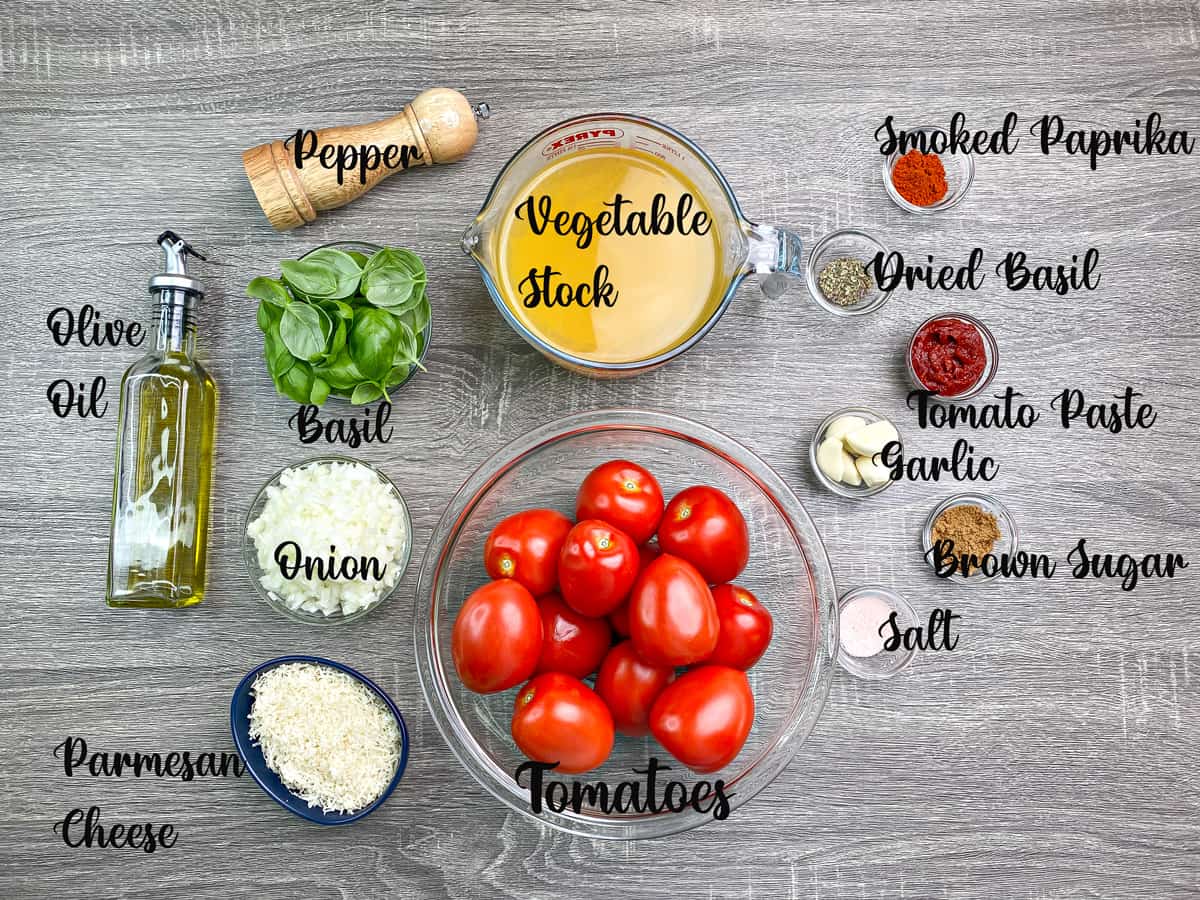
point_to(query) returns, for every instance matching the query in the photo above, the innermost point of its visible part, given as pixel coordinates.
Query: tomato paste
(948, 356)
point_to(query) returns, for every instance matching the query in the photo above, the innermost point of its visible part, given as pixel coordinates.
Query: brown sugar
(973, 530)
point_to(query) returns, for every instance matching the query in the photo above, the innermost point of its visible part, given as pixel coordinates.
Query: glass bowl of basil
(346, 319)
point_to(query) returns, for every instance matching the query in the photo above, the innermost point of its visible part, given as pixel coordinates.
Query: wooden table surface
(1052, 754)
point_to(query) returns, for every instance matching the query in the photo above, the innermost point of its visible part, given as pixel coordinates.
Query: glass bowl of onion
(327, 540)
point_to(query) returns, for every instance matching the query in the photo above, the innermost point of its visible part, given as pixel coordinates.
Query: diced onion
(331, 504)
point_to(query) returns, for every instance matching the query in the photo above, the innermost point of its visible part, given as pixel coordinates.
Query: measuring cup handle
(774, 255)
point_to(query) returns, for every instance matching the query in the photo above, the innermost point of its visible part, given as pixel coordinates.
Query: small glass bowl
(422, 339)
(960, 173)
(862, 491)
(845, 242)
(255, 571)
(1009, 535)
(991, 351)
(885, 663)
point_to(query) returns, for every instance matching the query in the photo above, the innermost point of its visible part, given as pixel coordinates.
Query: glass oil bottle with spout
(167, 422)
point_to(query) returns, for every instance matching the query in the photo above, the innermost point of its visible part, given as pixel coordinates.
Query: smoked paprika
(920, 178)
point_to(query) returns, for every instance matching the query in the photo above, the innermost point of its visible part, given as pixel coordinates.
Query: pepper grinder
(438, 126)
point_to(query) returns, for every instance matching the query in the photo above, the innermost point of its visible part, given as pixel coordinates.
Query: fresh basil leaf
(397, 258)
(338, 342)
(397, 375)
(344, 269)
(360, 258)
(366, 392)
(373, 341)
(309, 277)
(407, 259)
(379, 259)
(268, 316)
(337, 309)
(409, 305)
(278, 360)
(269, 290)
(409, 348)
(305, 330)
(406, 346)
(417, 316)
(340, 372)
(319, 391)
(393, 277)
(296, 383)
(390, 287)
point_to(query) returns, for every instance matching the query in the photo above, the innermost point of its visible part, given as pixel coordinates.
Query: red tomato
(497, 637)
(571, 643)
(525, 547)
(629, 687)
(557, 718)
(672, 614)
(648, 553)
(703, 526)
(619, 617)
(624, 495)
(619, 620)
(746, 627)
(597, 567)
(703, 718)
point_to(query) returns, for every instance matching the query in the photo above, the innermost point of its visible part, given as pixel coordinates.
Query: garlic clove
(871, 439)
(850, 474)
(873, 474)
(829, 458)
(843, 425)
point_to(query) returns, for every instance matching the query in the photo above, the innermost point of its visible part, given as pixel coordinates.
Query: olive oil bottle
(158, 543)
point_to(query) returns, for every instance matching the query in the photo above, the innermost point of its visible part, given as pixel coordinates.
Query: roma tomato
(672, 616)
(573, 644)
(629, 688)
(746, 627)
(597, 567)
(624, 495)
(559, 719)
(619, 620)
(648, 553)
(525, 547)
(703, 718)
(497, 637)
(702, 525)
(619, 617)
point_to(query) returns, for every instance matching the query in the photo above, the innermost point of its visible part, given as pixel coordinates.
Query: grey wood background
(1053, 754)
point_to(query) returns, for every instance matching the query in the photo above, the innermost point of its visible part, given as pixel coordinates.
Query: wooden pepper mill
(295, 179)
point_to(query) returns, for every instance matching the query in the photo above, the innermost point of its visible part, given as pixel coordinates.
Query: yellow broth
(627, 264)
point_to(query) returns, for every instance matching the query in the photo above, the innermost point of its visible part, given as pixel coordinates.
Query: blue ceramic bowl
(251, 753)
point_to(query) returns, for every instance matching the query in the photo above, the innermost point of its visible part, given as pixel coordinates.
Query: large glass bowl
(788, 571)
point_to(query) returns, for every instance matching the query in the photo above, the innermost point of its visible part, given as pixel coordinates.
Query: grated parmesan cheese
(327, 736)
(326, 504)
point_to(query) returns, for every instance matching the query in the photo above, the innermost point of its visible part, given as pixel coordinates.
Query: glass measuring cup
(770, 252)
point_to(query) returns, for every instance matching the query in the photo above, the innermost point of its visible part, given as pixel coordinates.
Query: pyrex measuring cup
(770, 252)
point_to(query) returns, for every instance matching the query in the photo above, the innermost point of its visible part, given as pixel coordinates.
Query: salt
(860, 621)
